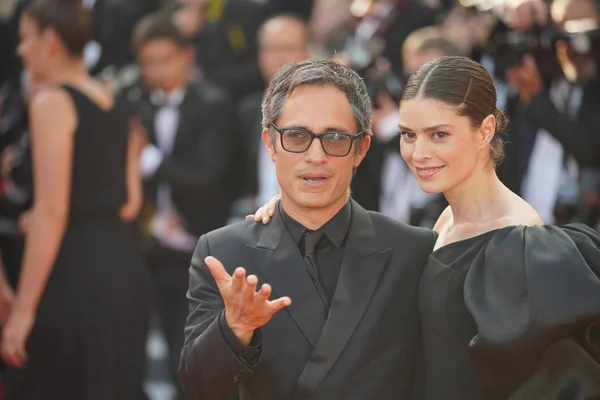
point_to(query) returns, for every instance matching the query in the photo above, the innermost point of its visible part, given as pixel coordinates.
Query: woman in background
(78, 324)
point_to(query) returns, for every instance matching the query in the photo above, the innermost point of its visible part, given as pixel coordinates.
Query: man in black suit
(186, 164)
(345, 278)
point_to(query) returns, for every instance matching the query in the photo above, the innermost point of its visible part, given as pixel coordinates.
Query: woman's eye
(440, 135)
(407, 135)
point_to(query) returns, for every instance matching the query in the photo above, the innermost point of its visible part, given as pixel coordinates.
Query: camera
(380, 78)
(508, 47)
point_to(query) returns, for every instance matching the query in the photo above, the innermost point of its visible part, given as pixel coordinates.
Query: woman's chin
(431, 187)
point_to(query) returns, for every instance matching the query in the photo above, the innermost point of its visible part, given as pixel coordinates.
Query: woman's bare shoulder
(522, 213)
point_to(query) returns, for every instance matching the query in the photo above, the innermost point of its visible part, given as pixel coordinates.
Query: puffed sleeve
(534, 293)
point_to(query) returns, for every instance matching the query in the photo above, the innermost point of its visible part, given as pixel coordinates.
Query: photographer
(578, 53)
(381, 26)
(555, 126)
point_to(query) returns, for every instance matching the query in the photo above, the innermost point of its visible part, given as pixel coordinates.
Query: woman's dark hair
(465, 84)
(68, 18)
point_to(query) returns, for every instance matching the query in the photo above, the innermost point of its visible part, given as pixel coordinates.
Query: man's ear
(362, 150)
(266, 138)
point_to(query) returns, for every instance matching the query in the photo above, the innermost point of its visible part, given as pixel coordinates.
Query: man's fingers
(217, 270)
(280, 303)
(238, 279)
(249, 289)
(263, 294)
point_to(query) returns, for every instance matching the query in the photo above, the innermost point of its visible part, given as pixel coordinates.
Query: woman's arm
(137, 141)
(53, 122)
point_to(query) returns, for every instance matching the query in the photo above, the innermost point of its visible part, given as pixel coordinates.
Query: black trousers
(169, 274)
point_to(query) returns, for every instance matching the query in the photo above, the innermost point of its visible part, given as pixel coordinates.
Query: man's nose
(315, 153)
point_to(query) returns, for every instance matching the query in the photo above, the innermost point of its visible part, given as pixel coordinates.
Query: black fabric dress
(513, 314)
(88, 341)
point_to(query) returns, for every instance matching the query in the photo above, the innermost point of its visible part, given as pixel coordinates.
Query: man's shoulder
(210, 92)
(235, 236)
(395, 232)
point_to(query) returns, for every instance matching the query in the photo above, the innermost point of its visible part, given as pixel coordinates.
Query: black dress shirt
(330, 249)
(329, 253)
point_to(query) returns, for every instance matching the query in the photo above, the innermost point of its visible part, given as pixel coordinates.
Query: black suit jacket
(250, 129)
(364, 348)
(580, 136)
(201, 168)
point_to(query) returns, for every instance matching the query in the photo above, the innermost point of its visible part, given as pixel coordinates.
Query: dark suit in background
(364, 348)
(250, 128)
(200, 168)
(580, 136)
(197, 175)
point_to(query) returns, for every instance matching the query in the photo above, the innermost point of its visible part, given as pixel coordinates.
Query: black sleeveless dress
(513, 314)
(88, 341)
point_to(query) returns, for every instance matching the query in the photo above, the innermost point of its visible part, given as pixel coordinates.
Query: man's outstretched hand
(245, 309)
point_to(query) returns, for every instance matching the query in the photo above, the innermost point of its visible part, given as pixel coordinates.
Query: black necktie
(311, 240)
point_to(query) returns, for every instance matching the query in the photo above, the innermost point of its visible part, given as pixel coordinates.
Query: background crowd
(191, 74)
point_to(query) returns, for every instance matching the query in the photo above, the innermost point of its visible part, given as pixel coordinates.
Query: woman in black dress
(78, 325)
(510, 307)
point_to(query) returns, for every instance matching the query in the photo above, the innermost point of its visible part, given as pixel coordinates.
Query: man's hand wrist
(242, 332)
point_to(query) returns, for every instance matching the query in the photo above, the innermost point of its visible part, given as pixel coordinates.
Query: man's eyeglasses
(298, 140)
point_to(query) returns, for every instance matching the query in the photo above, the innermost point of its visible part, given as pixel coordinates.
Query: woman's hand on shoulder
(265, 212)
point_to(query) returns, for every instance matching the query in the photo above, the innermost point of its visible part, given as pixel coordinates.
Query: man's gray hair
(317, 73)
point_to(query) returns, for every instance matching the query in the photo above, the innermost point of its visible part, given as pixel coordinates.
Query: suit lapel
(280, 261)
(362, 266)
(189, 105)
(147, 116)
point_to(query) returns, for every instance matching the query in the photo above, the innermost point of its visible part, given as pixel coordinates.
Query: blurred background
(198, 69)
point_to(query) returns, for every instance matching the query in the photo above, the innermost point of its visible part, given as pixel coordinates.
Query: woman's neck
(66, 72)
(478, 199)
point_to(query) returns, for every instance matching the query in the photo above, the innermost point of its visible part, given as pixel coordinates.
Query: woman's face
(441, 147)
(32, 48)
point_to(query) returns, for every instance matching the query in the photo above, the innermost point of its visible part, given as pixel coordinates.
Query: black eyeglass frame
(313, 136)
